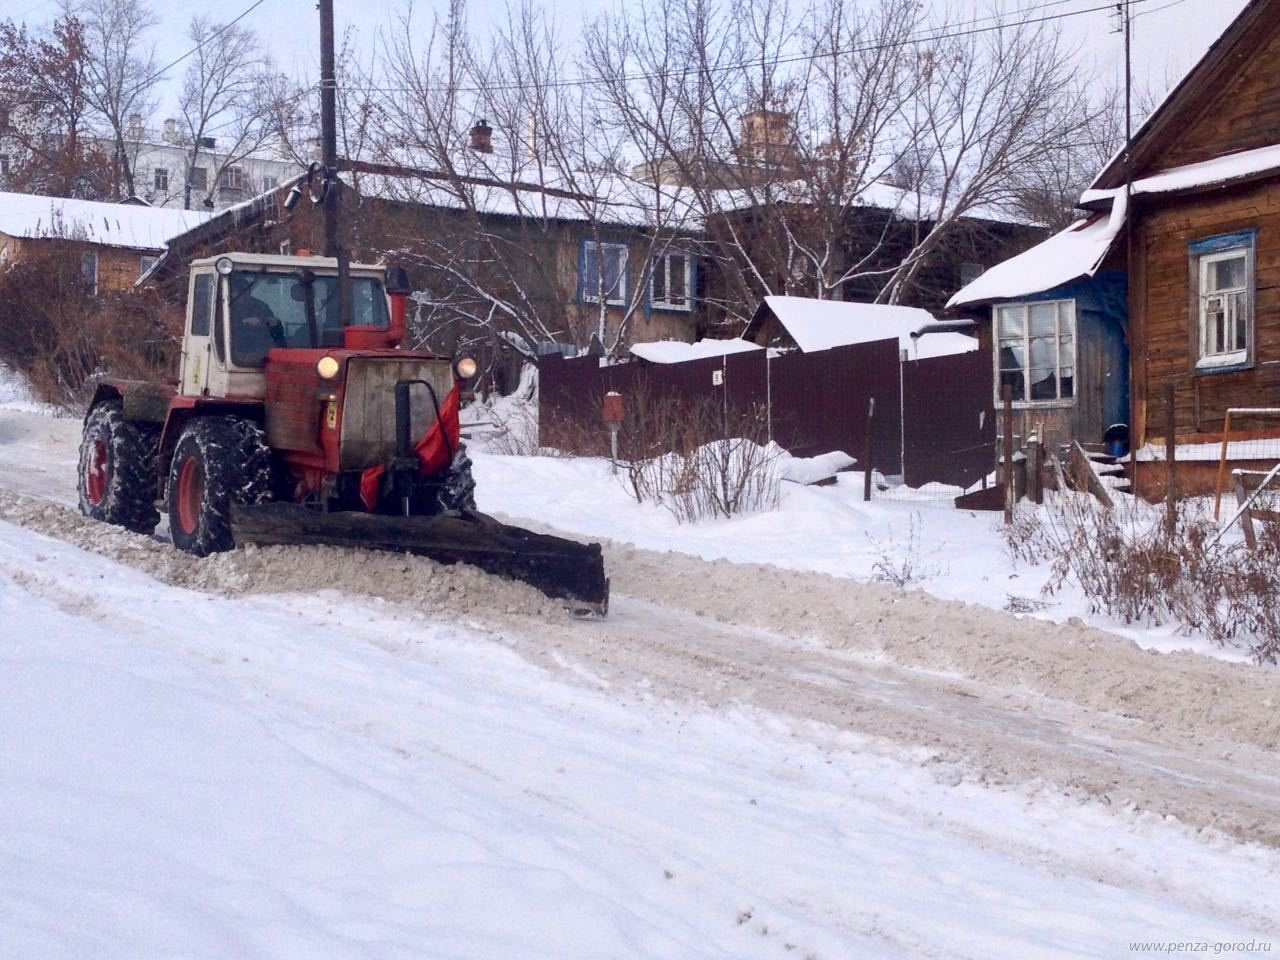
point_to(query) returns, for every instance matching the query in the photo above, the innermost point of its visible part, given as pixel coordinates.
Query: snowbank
(677, 351)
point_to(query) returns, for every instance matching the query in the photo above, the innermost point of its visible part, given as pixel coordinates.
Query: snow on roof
(823, 324)
(32, 217)
(1077, 251)
(676, 351)
(1206, 173)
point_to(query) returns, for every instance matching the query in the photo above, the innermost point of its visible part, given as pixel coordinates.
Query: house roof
(1169, 120)
(1077, 251)
(1193, 176)
(134, 227)
(824, 324)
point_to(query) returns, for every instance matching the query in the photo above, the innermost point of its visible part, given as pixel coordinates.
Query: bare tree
(122, 74)
(544, 189)
(230, 89)
(991, 105)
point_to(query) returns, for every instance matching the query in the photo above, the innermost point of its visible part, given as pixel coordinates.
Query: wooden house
(1203, 249)
(116, 242)
(1178, 261)
(1054, 320)
(492, 264)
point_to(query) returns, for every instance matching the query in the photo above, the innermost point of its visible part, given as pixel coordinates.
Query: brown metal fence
(933, 419)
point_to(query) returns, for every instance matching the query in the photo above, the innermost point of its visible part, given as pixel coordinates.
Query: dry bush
(698, 457)
(905, 566)
(1025, 539)
(57, 333)
(1131, 565)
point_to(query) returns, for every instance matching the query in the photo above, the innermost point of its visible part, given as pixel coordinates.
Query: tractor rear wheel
(458, 492)
(117, 476)
(218, 461)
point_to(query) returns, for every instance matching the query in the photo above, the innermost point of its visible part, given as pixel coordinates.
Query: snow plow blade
(562, 569)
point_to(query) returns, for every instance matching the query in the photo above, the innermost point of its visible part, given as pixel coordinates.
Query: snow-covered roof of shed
(1206, 173)
(823, 324)
(33, 217)
(677, 351)
(1077, 251)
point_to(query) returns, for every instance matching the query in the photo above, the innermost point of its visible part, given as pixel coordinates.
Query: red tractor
(287, 425)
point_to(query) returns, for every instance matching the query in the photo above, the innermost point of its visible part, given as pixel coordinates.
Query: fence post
(866, 451)
(1007, 452)
(1035, 457)
(1171, 458)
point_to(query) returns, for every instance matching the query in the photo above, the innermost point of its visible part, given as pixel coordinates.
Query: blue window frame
(603, 272)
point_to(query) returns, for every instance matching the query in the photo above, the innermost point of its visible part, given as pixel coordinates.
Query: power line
(209, 39)
(947, 34)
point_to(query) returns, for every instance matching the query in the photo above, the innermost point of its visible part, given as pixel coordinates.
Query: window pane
(1011, 321)
(591, 271)
(1068, 382)
(1044, 383)
(1067, 352)
(201, 305)
(1227, 274)
(660, 281)
(1012, 355)
(1044, 319)
(1213, 324)
(679, 283)
(1013, 379)
(1043, 352)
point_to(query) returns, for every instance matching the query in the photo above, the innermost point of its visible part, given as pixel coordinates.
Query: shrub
(58, 334)
(1131, 565)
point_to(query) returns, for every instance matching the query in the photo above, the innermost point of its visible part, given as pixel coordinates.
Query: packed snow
(313, 753)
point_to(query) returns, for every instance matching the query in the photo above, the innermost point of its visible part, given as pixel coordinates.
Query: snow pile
(15, 393)
(676, 351)
(807, 470)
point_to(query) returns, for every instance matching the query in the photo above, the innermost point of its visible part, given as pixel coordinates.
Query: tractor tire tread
(131, 486)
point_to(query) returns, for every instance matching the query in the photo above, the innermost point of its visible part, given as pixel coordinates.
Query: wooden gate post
(1007, 453)
(1171, 458)
(866, 451)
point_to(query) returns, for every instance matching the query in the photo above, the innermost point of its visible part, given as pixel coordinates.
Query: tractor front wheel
(218, 461)
(117, 477)
(458, 491)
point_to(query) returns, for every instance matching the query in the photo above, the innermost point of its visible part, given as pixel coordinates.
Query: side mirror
(398, 281)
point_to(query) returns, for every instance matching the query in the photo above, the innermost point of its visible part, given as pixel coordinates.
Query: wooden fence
(933, 419)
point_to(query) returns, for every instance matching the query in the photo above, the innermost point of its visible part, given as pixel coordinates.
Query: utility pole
(329, 160)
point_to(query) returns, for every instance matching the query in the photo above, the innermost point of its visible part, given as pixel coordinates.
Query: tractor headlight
(327, 367)
(465, 367)
(224, 266)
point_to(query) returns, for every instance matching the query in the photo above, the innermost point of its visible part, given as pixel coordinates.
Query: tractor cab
(242, 306)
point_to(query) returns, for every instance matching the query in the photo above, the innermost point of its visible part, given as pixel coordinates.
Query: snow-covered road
(739, 762)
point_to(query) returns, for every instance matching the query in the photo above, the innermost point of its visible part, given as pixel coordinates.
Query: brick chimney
(767, 137)
(482, 137)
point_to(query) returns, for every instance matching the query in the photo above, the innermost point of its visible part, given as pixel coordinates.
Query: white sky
(1169, 35)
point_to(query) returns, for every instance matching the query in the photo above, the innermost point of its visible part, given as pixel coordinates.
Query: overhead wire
(995, 22)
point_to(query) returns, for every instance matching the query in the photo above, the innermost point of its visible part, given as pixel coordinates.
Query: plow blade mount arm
(562, 569)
